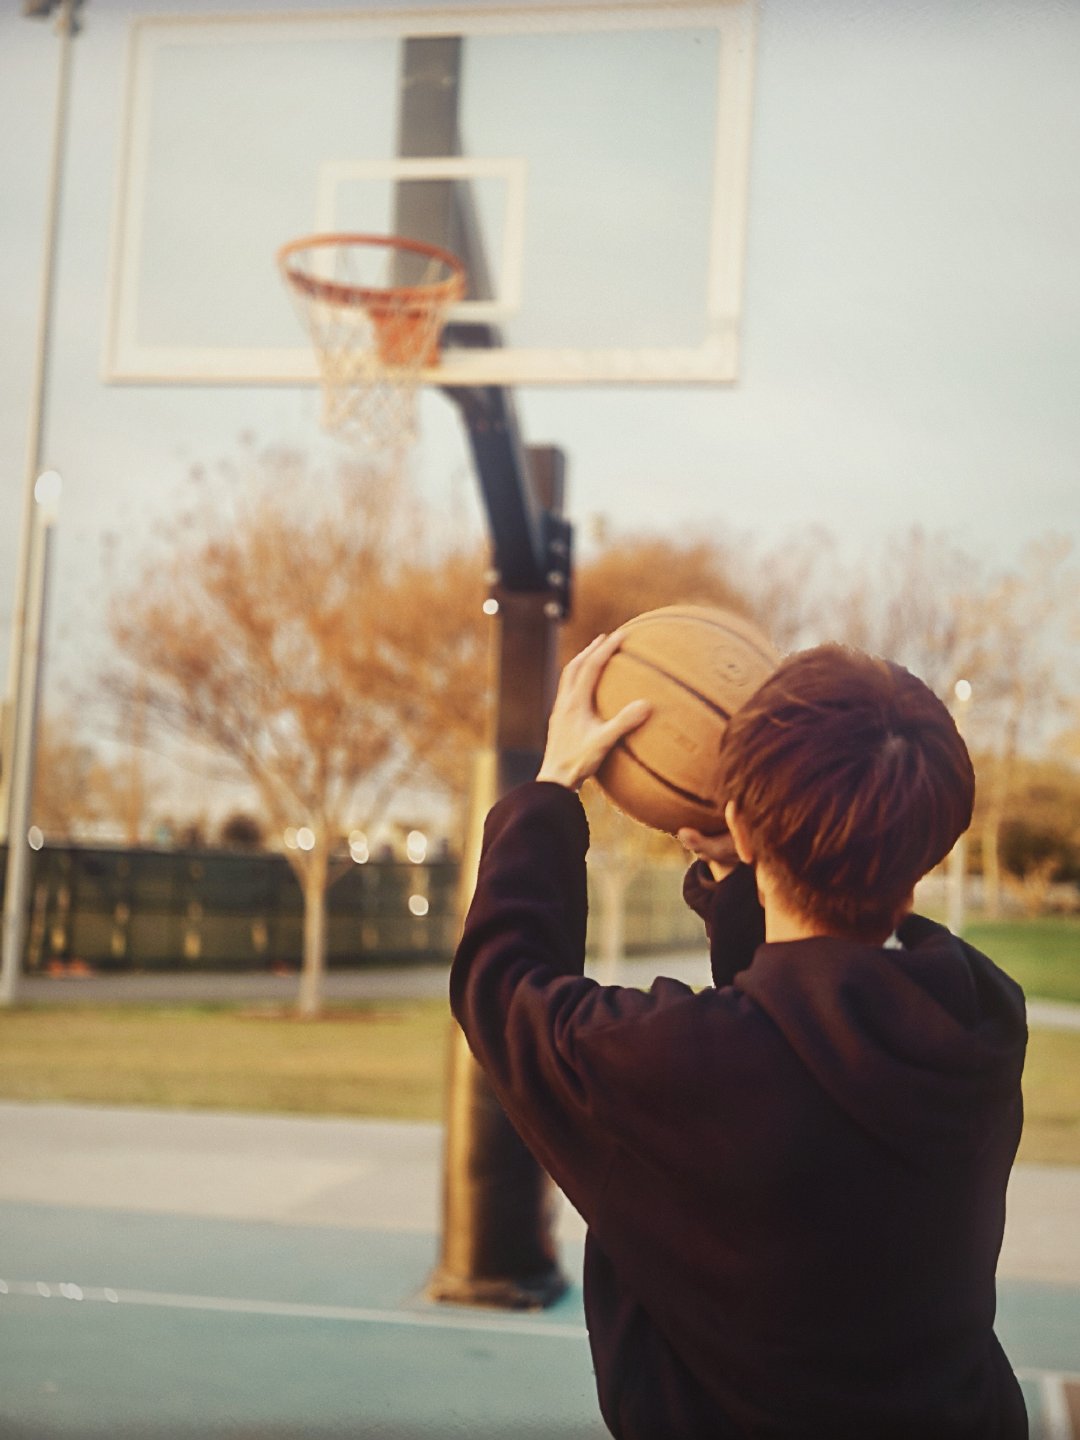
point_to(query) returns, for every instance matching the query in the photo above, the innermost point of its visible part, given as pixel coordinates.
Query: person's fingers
(582, 656)
(598, 652)
(605, 648)
(694, 842)
(569, 677)
(581, 675)
(699, 844)
(627, 719)
(594, 660)
(717, 851)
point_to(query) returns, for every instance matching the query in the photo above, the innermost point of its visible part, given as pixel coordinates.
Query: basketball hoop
(375, 306)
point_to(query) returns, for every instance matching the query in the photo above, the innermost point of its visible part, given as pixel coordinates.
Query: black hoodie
(794, 1182)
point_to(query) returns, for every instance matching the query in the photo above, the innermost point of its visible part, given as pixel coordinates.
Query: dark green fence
(113, 909)
(118, 909)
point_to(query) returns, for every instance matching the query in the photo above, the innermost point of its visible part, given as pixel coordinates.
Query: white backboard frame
(130, 359)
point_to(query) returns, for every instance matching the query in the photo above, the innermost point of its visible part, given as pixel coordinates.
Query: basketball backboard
(599, 151)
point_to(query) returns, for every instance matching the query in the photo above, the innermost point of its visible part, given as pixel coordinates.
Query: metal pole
(498, 1243)
(26, 712)
(66, 28)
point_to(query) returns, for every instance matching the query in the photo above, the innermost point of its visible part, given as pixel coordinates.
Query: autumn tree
(291, 628)
(627, 575)
(1039, 841)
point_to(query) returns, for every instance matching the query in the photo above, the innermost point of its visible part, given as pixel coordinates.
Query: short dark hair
(851, 780)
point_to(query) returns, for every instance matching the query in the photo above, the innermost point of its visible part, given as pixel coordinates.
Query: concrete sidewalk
(355, 1174)
(390, 983)
(398, 983)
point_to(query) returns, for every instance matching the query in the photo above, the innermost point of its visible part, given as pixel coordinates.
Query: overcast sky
(911, 329)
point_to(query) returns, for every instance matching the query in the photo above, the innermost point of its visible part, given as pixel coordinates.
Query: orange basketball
(696, 666)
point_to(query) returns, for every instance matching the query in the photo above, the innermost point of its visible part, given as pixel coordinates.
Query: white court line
(1055, 1422)
(510, 1325)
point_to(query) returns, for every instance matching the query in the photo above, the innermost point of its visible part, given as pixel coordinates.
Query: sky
(910, 329)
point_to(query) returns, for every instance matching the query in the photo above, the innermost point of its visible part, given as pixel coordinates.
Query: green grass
(1042, 955)
(377, 1060)
(1052, 1098)
(383, 1060)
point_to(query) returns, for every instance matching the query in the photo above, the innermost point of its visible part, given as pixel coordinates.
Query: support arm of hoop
(531, 542)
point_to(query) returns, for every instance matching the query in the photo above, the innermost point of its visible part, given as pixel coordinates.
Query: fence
(112, 909)
(119, 909)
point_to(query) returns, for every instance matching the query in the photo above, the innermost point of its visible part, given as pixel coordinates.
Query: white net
(374, 308)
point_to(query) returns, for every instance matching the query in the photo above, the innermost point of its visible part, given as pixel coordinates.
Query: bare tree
(1010, 634)
(79, 791)
(1027, 682)
(271, 631)
(439, 652)
(921, 603)
(620, 850)
(789, 586)
(67, 788)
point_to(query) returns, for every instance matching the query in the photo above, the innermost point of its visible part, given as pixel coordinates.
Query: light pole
(67, 27)
(46, 499)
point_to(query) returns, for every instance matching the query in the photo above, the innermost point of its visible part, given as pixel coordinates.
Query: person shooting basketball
(794, 1180)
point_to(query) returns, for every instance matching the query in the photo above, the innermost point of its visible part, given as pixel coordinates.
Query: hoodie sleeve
(734, 919)
(537, 1026)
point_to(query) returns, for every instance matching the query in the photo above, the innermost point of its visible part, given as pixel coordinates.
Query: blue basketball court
(177, 1275)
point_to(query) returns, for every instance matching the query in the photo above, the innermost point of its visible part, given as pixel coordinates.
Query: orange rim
(403, 297)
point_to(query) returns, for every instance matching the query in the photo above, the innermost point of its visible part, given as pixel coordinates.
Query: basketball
(696, 666)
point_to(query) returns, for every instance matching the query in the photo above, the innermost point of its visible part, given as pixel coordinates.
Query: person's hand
(578, 740)
(718, 851)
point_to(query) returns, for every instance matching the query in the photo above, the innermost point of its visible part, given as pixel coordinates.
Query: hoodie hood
(923, 1045)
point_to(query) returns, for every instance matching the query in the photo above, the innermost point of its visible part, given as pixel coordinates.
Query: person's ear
(743, 848)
